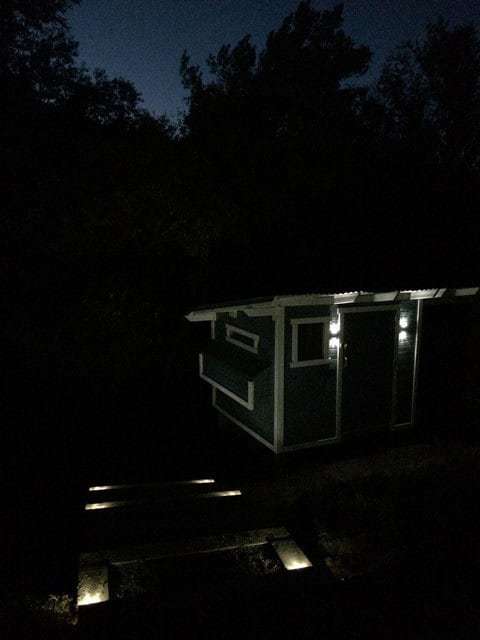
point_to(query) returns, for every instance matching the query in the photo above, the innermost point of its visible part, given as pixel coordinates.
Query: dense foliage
(287, 174)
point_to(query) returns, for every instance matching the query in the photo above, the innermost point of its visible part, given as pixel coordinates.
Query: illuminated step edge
(179, 548)
(114, 487)
(92, 585)
(93, 576)
(291, 555)
(115, 504)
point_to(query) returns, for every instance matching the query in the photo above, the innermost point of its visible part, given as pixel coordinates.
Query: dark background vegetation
(287, 175)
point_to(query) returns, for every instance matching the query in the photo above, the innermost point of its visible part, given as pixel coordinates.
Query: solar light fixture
(92, 584)
(334, 327)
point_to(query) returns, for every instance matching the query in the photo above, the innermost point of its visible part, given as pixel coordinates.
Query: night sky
(142, 40)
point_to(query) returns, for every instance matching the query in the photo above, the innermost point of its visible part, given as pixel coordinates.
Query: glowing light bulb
(402, 336)
(334, 328)
(403, 322)
(333, 343)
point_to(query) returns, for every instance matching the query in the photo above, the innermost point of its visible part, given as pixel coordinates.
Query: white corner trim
(231, 330)
(279, 380)
(248, 404)
(295, 322)
(416, 356)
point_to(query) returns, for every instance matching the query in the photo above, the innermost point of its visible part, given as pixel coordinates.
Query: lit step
(151, 485)
(93, 576)
(169, 548)
(116, 504)
(291, 555)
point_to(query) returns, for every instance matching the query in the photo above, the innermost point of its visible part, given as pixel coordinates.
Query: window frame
(295, 323)
(231, 329)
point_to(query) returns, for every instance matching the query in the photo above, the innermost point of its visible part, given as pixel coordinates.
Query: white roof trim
(316, 299)
(421, 294)
(303, 300)
(201, 316)
(467, 292)
(388, 296)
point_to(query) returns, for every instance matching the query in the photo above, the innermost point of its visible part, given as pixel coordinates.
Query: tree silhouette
(434, 86)
(281, 130)
(430, 92)
(38, 70)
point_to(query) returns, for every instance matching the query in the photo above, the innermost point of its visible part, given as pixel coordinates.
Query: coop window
(242, 338)
(310, 337)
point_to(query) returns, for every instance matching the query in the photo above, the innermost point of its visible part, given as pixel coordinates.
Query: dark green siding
(405, 364)
(217, 370)
(310, 392)
(260, 420)
(232, 366)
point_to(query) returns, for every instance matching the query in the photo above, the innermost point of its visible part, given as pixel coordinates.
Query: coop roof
(264, 306)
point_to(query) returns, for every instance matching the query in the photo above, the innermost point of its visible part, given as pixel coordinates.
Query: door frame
(340, 357)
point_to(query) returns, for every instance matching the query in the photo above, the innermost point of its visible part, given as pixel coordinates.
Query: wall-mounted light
(333, 343)
(402, 336)
(403, 322)
(334, 327)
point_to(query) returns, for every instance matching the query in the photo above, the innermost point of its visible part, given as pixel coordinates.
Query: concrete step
(226, 600)
(184, 546)
(150, 522)
(177, 567)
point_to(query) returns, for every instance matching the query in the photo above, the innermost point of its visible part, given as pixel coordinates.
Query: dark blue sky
(142, 40)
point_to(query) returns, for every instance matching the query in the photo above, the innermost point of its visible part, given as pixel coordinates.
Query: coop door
(367, 365)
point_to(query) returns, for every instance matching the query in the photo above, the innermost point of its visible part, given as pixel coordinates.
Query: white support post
(279, 379)
(416, 360)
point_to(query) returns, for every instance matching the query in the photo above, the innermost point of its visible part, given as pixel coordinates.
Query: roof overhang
(268, 308)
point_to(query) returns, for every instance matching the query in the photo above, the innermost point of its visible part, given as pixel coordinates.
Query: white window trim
(232, 330)
(295, 362)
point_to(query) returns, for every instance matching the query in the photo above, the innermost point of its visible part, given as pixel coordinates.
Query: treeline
(282, 152)
(288, 173)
